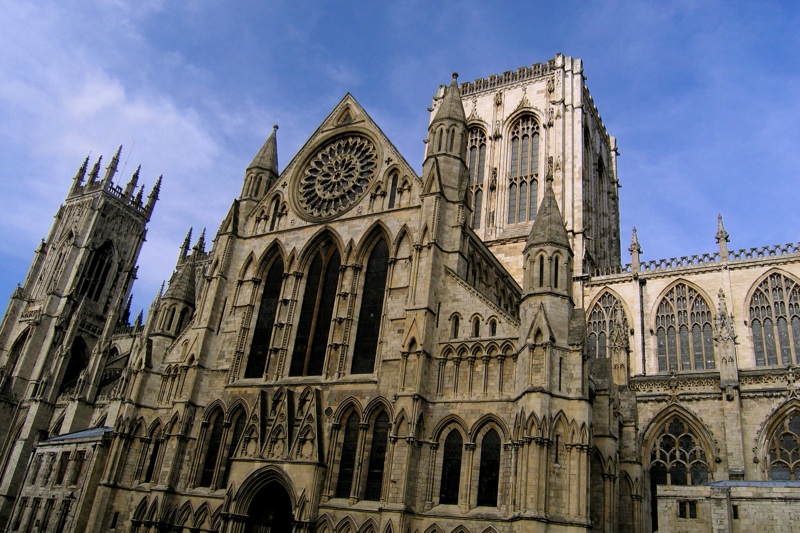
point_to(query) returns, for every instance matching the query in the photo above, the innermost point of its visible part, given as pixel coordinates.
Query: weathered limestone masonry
(363, 349)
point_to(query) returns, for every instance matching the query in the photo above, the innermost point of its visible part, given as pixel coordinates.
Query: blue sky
(701, 95)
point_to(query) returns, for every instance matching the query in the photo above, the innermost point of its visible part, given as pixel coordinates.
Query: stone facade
(366, 349)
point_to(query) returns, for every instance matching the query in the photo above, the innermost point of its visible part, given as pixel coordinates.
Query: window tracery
(94, 277)
(784, 450)
(347, 462)
(606, 319)
(677, 458)
(523, 170)
(684, 334)
(337, 176)
(774, 324)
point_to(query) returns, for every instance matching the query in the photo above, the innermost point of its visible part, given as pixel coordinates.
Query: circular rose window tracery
(337, 176)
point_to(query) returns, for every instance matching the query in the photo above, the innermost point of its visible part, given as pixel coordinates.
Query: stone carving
(337, 177)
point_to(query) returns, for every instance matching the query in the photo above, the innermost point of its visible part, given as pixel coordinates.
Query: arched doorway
(270, 511)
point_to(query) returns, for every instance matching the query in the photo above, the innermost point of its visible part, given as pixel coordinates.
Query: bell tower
(60, 319)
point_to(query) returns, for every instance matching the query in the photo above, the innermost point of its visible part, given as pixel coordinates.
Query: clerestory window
(477, 169)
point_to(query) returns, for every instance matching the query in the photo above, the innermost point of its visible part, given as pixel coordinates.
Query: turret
(262, 171)
(446, 152)
(111, 169)
(548, 267)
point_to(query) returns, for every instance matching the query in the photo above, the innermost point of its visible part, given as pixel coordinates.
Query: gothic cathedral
(364, 349)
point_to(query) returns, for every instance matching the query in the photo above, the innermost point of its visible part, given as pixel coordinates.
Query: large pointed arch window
(683, 331)
(347, 462)
(259, 349)
(451, 468)
(311, 342)
(78, 361)
(784, 450)
(213, 445)
(369, 317)
(677, 458)
(377, 457)
(775, 321)
(523, 179)
(477, 168)
(607, 322)
(94, 276)
(489, 472)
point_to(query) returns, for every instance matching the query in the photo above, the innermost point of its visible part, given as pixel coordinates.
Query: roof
(548, 228)
(82, 434)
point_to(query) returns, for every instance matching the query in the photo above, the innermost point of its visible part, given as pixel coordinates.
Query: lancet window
(311, 342)
(477, 168)
(775, 321)
(606, 321)
(213, 445)
(377, 457)
(451, 467)
(347, 462)
(523, 170)
(369, 318)
(267, 311)
(784, 450)
(683, 331)
(489, 470)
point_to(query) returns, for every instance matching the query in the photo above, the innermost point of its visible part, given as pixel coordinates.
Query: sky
(702, 97)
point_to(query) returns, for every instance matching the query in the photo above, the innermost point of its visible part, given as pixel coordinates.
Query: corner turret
(262, 171)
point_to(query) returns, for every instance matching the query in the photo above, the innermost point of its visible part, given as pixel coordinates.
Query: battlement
(537, 70)
(687, 261)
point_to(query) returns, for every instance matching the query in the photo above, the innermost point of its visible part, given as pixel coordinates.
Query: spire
(267, 157)
(133, 182)
(548, 228)
(722, 239)
(185, 246)
(95, 170)
(138, 199)
(451, 107)
(81, 174)
(151, 200)
(126, 313)
(111, 169)
(139, 318)
(635, 250)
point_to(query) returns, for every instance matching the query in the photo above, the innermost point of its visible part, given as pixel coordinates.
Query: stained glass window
(784, 450)
(523, 170)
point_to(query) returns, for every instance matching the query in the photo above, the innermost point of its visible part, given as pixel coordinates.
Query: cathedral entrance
(270, 510)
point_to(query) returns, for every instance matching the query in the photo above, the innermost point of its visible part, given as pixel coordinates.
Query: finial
(138, 199)
(95, 170)
(635, 250)
(111, 169)
(151, 199)
(133, 182)
(455, 76)
(722, 239)
(200, 245)
(78, 180)
(274, 127)
(185, 246)
(139, 317)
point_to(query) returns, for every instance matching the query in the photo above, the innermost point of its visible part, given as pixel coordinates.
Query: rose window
(337, 176)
